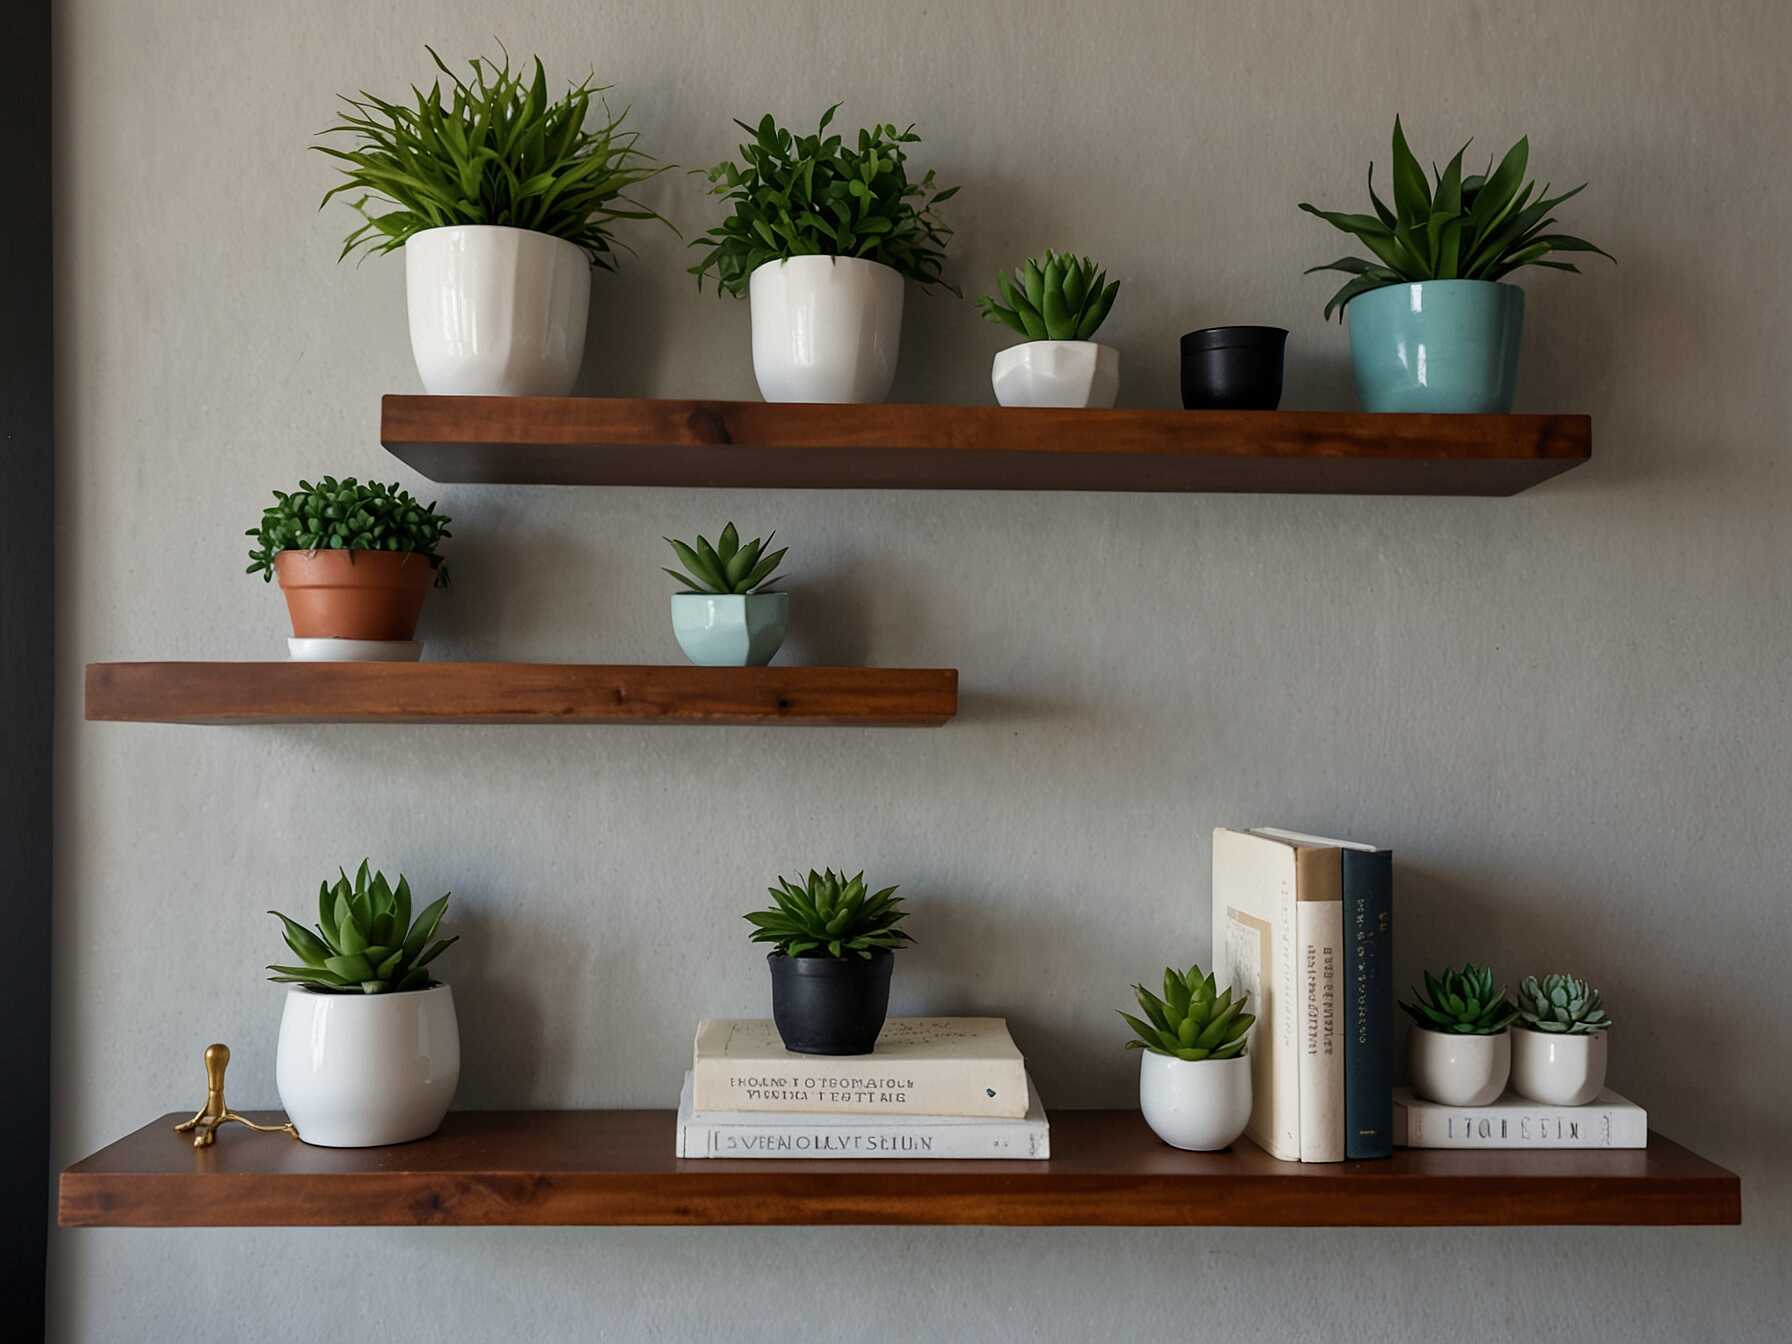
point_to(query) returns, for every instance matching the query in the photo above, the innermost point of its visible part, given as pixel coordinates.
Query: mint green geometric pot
(731, 630)
(1441, 345)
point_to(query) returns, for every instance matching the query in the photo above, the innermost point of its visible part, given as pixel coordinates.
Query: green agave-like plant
(498, 151)
(366, 941)
(1464, 1002)
(347, 515)
(831, 915)
(1480, 227)
(818, 195)
(1562, 1004)
(729, 566)
(1193, 1020)
(1057, 297)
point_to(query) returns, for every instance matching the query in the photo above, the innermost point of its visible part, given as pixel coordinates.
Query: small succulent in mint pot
(1559, 1052)
(1462, 1049)
(1194, 1073)
(729, 612)
(1057, 302)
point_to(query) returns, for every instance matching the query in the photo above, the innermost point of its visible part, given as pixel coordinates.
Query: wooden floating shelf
(592, 1168)
(635, 441)
(237, 693)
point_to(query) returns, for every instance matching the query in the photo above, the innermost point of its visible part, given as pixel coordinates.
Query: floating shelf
(226, 693)
(634, 441)
(615, 1168)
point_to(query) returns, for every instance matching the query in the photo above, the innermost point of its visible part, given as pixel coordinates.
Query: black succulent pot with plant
(831, 961)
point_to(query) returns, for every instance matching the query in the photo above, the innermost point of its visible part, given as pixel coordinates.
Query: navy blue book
(1368, 1003)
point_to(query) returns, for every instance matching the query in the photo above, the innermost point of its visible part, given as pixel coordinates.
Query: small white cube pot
(1558, 1069)
(730, 629)
(1057, 373)
(1201, 1105)
(1460, 1070)
(361, 1070)
(825, 329)
(496, 311)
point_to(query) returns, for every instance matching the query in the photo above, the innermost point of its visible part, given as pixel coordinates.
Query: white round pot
(1202, 1105)
(496, 311)
(1057, 373)
(1556, 1068)
(825, 329)
(360, 1070)
(1459, 1070)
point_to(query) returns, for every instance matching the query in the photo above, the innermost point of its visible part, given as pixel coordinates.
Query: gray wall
(1566, 712)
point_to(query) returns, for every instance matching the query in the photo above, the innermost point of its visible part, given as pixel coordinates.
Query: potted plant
(1433, 324)
(833, 950)
(727, 614)
(503, 201)
(1461, 1048)
(355, 562)
(1558, 1042)
(369, 1048)
(1057, 302)
(1194, 1076)
(823, 233)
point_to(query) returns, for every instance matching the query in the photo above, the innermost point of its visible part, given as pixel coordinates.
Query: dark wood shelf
(617, 1168)
(635, 441)
(237, 693)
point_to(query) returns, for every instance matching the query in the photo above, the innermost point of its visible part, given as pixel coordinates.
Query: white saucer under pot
(355, 650)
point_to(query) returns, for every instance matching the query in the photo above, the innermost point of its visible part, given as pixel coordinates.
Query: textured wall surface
(1566, 712)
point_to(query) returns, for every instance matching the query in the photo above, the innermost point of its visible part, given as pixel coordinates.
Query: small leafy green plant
(817, 195)
(1193, 1020)
(830, 916)
(728, 566)
(1561, 1004)
(1480, 227)
(499, 151)
(346, 515)
(1053, 298)
(1464, 1002)
(366, 941)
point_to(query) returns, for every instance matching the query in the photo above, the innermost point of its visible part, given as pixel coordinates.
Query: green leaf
(1412, 196)
(305, 945)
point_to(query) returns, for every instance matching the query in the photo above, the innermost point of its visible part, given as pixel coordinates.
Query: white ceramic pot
(355, 650)
(1556, 1068)
(825, 329)
(496, 311)
(1202, 1105)
(1459, 1070)
(360, 1070)
(1057, 373)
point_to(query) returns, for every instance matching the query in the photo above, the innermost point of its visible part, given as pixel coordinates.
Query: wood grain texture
(238, 693)
(616, 1168)
(633, 441)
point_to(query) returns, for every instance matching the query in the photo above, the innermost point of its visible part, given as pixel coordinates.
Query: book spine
(1368, 1004)
(1320, 927)
(962, 1087)
(1024, 1140)
(1423, 1125)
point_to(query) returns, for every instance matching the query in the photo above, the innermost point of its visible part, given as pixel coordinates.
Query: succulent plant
(366, 941)
(346, 515)
(1054, 298)
(1562, 1004)
(1464, 1002)
(728, 566)
(830, 916)
(1193, 1020)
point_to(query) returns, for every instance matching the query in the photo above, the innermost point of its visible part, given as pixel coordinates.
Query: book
(920, 1066)
(786, 1134)
(1608, 1121)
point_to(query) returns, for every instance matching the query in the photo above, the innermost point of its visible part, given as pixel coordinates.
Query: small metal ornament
(204, 1126)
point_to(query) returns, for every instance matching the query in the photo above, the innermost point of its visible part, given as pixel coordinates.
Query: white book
(1608, 1121)
(1320, 929)
(773, 1134)
(920, 1066)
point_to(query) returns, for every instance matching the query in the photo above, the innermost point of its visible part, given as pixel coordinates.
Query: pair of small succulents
(1465, 1002)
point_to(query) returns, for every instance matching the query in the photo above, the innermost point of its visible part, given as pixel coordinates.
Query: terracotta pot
(354, 594)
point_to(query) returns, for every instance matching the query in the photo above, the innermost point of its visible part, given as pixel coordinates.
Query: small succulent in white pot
(728, 614)
(1461, 1047)
(1194, 1074)
(1559, 1044)
(1058, 302)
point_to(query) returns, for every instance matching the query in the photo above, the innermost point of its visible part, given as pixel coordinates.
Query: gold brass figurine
(215, 1113)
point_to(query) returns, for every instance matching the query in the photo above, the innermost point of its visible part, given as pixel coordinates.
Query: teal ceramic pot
(730, 630)
(1442, 345)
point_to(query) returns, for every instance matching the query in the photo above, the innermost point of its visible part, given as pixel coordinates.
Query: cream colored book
(921, 1066)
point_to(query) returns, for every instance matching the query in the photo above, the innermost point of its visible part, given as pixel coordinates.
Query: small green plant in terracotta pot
(1559, 1041)
(729, 614)
(1461, 1047)
(1194, 1074)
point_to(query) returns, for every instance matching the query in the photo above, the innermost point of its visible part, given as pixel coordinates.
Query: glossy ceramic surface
(825, 329)
(1457, 1070)
(1057, 373)
(1201, 1105)
(1443, 346)
(744, 630)
(1558, 1069)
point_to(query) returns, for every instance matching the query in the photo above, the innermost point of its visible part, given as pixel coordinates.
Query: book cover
(1368, 1003)
(772, 1134)
(1608, 1121)
(1319, 926)
(921, 1066)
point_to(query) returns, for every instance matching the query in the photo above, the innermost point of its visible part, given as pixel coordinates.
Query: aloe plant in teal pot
(1434, 323)
(729, 613)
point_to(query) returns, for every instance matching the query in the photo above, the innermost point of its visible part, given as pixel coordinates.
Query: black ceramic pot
(830, 1005)
(1233, 368)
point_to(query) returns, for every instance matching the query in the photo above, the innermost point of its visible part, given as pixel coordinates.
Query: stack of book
(934, 1087)
(1608, 1121)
